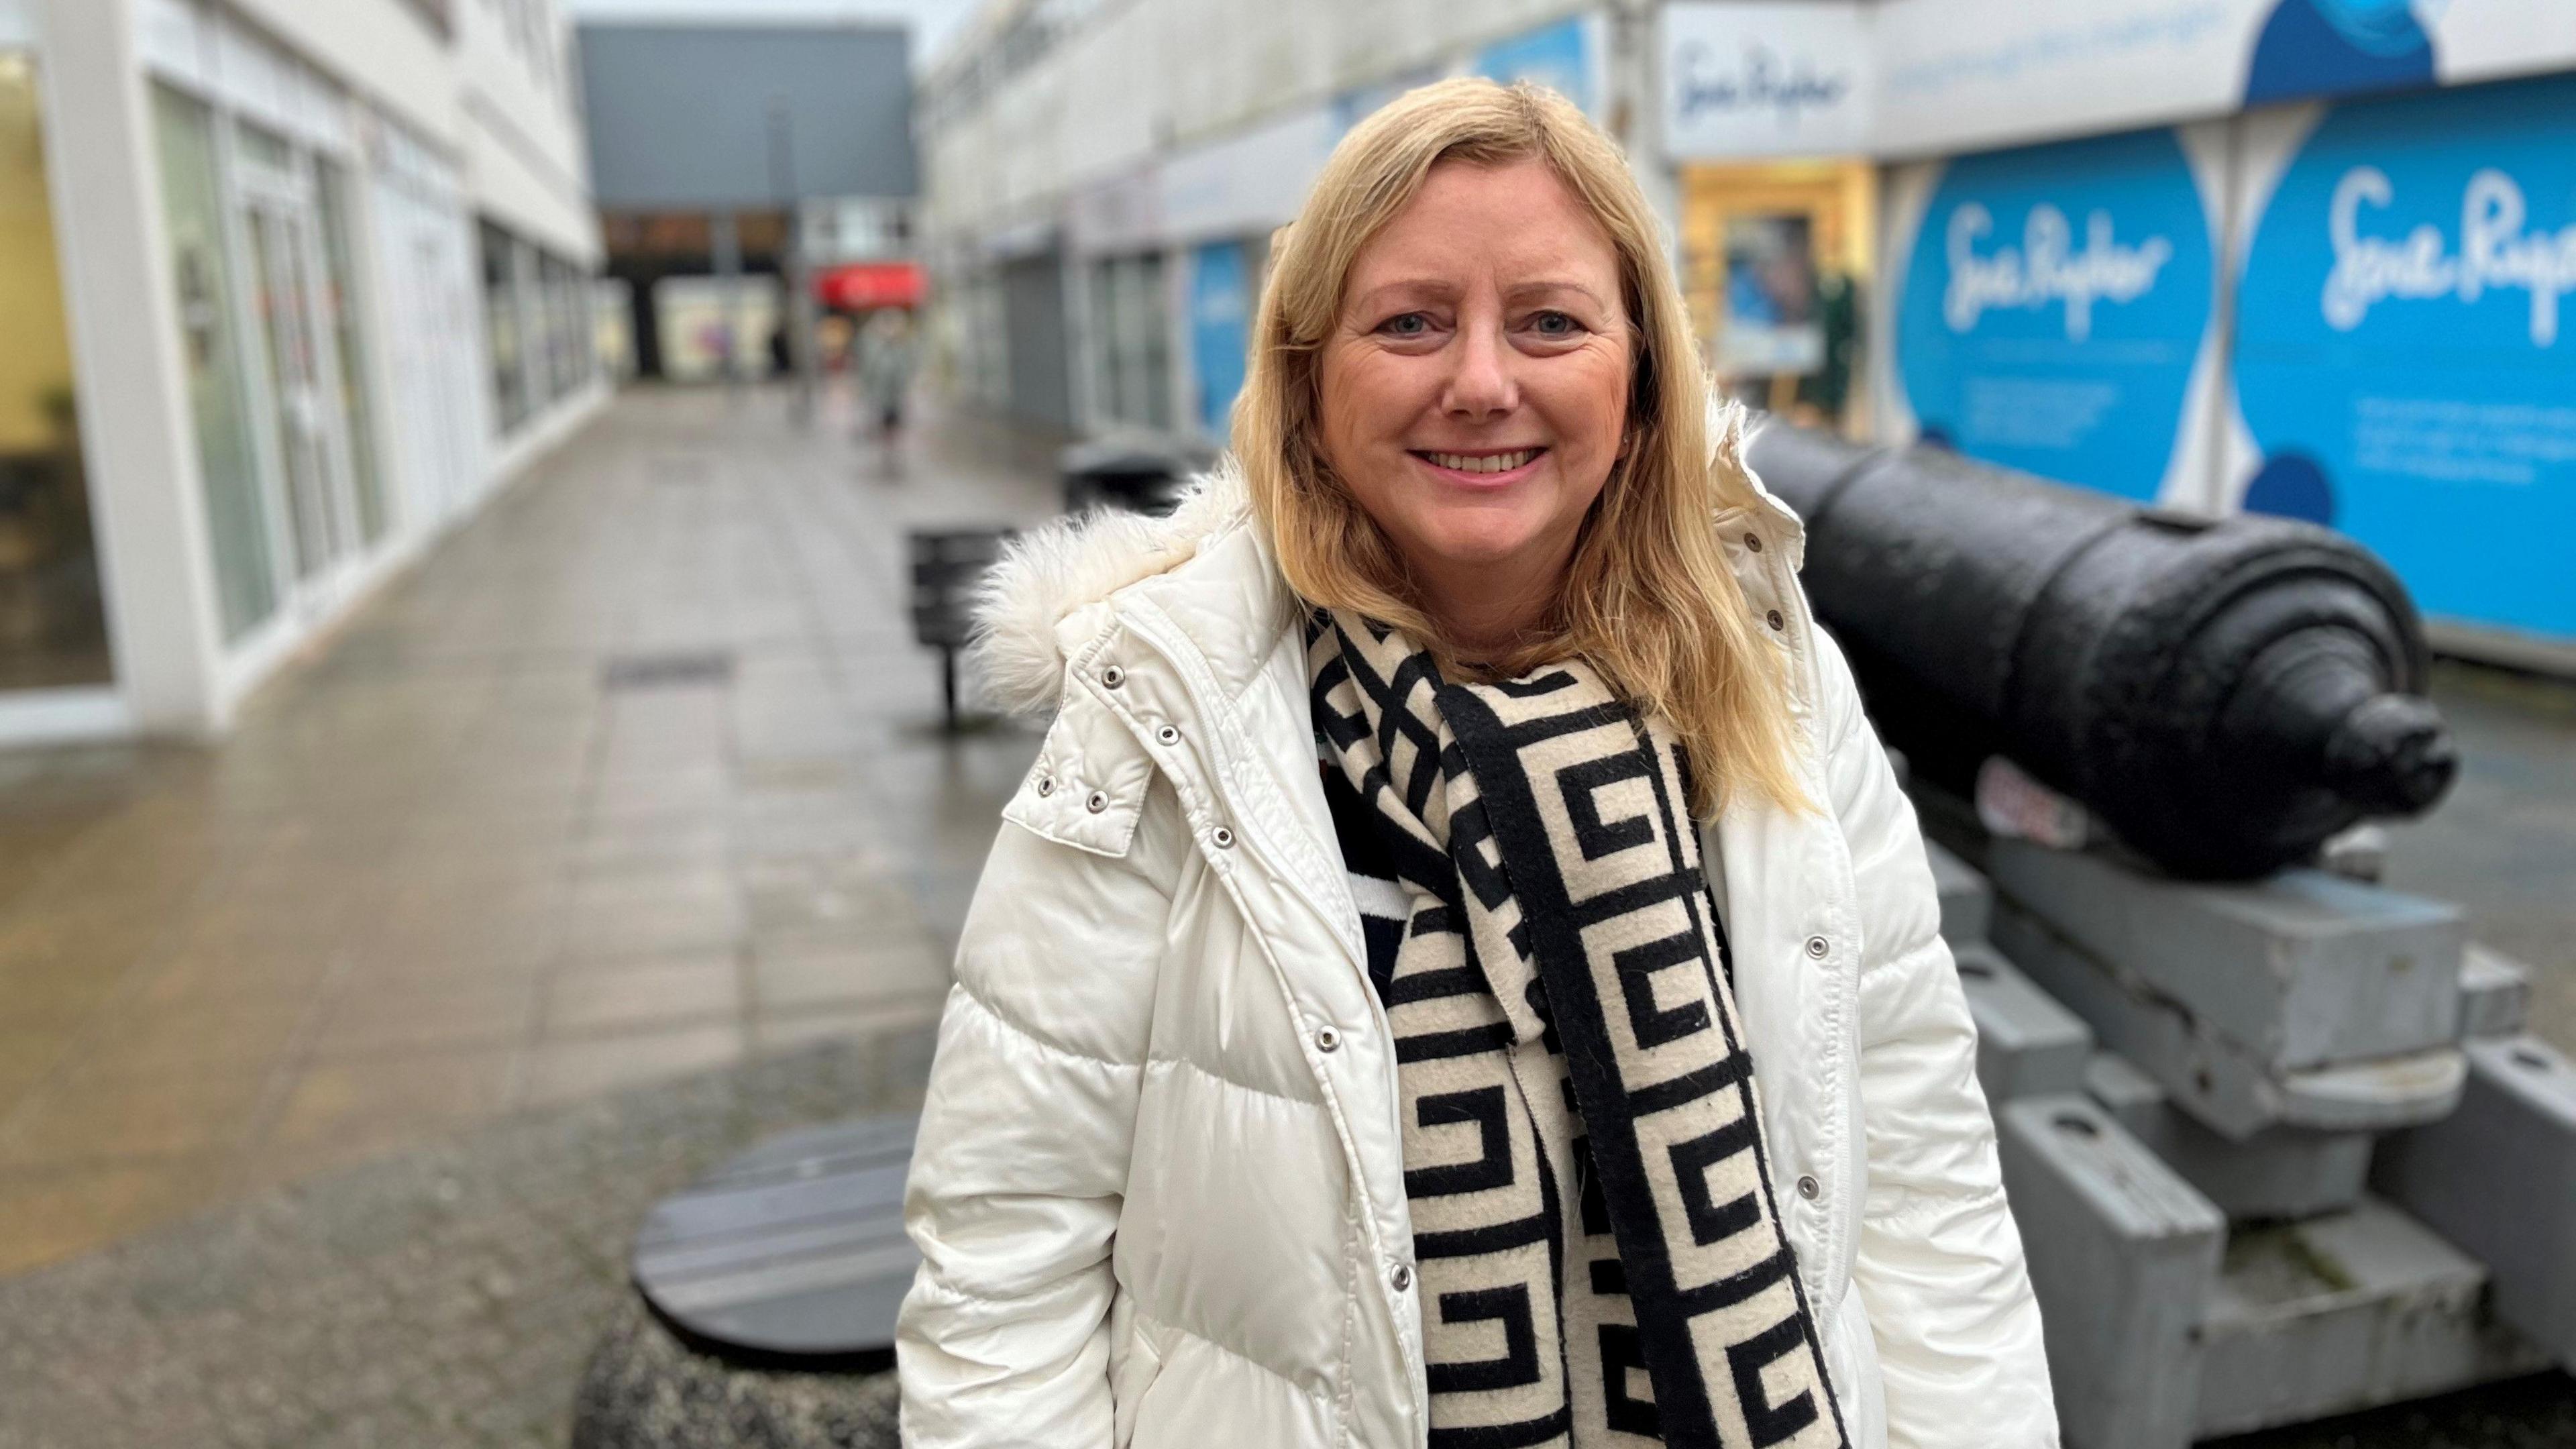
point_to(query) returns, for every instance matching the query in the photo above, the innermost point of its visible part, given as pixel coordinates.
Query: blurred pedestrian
(886, 356)
(1432, 1090)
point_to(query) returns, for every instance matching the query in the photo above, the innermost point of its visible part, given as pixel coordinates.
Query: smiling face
(1474, 390)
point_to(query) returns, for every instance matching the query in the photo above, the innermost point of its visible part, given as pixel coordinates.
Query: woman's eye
(1555, 324)
(1407, 324)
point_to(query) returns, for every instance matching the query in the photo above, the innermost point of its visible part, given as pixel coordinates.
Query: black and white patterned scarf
(1600, 1258)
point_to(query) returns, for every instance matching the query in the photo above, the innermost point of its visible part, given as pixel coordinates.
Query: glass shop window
(53, 627)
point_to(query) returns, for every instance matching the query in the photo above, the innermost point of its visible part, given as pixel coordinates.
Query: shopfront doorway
(308, 439)
(1777, 258)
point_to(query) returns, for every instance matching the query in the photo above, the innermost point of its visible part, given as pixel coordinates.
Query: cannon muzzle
(2224, 694)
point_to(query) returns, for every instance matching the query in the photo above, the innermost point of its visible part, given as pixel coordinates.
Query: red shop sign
(858, 286)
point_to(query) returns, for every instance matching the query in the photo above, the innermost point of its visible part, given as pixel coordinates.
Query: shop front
(241, 366)
(1763, 115)
(54, 651)
(257, 161)
(1776, 258)
(1225, 283)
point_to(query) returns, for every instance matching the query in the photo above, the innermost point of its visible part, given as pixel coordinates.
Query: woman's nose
(1481, 385)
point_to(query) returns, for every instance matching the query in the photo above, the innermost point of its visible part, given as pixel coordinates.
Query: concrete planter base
(645, 1389)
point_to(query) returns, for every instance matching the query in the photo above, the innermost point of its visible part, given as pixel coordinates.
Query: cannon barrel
(2223, 694)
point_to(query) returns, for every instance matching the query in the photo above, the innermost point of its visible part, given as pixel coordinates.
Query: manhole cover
(670, 670)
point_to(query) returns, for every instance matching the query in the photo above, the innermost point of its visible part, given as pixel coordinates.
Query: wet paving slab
(638, 773)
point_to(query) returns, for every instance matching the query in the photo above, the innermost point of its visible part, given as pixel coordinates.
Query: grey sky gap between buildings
(673, 122)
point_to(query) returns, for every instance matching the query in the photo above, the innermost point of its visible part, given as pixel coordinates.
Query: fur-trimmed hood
(1051, 573)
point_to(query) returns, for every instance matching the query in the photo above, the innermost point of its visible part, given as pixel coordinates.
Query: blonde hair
(1649, 598)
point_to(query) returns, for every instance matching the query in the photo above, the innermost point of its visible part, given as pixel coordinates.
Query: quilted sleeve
(1939, 1264)
(1019, 1171)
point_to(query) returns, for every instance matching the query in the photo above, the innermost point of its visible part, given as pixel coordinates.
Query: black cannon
(2224, 695)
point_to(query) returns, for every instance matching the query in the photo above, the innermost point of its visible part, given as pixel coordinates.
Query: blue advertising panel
(2338, 47)
(1558, 56)
(1220, 329)
(2054, 306)
(2406, 346)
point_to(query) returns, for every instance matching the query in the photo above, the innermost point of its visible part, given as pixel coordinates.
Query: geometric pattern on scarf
(1599, 1254)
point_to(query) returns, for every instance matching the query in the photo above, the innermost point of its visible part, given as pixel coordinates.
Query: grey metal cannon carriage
(2276, 1141)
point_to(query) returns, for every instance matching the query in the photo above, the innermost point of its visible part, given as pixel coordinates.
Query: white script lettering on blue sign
(2045, 268)
(1703, 86)
(2495, 252)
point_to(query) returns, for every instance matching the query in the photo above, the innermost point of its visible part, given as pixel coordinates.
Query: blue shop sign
(1220, 329)
(2054, 306)
(1558, 56)
(2406, 345)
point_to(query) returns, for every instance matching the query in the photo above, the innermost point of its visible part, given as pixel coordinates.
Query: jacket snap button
(1112, 677)
(1775, 620)
(1168, 735)
(1046, 784)
(1808, 1187)
(1223, 837)
(1327, 1039)
(1817, 946)
(1402, 1277)
(1098, 802)
(1753, 542)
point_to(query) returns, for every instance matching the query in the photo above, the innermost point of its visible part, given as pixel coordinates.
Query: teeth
(1489, 463)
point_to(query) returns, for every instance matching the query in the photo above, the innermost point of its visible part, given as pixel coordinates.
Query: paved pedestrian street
(638, 774)
(339, 1061)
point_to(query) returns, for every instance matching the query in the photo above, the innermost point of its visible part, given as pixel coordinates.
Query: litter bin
(1138, 475)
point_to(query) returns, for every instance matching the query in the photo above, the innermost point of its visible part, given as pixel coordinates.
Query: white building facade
(1102, 176)
(304, 281)
(2306, 257)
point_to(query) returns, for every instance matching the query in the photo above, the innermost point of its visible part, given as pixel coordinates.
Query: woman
(1429, 1091)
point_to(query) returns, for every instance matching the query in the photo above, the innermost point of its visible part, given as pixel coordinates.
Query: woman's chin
(1480, 542)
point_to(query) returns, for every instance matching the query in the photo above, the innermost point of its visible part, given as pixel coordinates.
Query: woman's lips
(1482, 470)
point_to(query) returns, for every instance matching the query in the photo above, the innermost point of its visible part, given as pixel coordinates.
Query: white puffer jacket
(1161, 1205)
